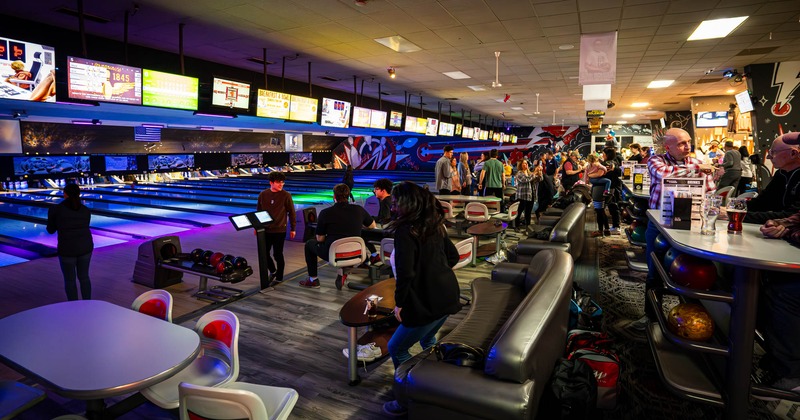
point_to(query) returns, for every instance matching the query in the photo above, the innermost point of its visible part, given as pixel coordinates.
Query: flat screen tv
(230, 94)
(27, 71)
(377, 119)
(467, 133)
(273, 104)
(422, 125)
(361, 117)
(443, 129)
(92, 80)
(51, 165)
(395, 120)
(169, 162)
(432, 127)
(744, 102)
(246, 159)
(299, 158)
(120, 163)
(303, 109)
(169, 90)
(459, 127)
(335, 113)
(411, 124)
(294, 142)
(712, 119)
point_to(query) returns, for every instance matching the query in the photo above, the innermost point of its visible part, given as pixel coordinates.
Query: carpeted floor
(643, 394)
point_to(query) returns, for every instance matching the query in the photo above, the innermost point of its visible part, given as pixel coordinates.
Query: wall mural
(773, 88)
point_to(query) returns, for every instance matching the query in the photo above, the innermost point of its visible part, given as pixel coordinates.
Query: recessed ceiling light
(477, 88)
(639, 104)
(628, 115)
(657, 84)
(517, 108)
(621, 122)
(717, 28)
(456, 75)
(566, 47)
(730, 91)
(398, 43)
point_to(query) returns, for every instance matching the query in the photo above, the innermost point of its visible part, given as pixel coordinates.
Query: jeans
(653, 280)
(405, 337)
(79, 265)
(313, 251)
(274, 242)
(605, 182)
(779, 319)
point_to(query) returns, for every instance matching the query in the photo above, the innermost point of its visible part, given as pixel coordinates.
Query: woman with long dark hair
(70, 219)
(349, 180)
(427, 290)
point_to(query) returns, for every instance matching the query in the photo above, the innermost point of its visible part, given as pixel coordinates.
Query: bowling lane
(37, 233)
(227, 196)
(8, 259)
(134, 228)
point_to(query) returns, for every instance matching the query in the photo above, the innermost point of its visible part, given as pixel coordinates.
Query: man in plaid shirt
(675, 162)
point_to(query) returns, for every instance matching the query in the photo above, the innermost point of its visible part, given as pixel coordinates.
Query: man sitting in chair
(339, 221)
(383, 192)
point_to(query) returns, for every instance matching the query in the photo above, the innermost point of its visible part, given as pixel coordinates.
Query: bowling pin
(24, 185)
(91, 181)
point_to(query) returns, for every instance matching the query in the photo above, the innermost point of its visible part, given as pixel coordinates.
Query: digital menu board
(302, 108)
(422, 125)
(432, 127)
(99, 81)
(168, 162)
(395, 119)
(51, 165)
(273, 104)
(231, 94)
(377, 119)
(361, 116)
(446, 129)
(246, 159)
(411, 124)
(459, 127)
(476, 133)
(120, 163)
(484, 135)
(335, 113)
(169, 90)
(27, 71)
(467, 133)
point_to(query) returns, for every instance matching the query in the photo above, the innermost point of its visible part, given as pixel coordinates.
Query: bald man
(675, 162)
(781, 197)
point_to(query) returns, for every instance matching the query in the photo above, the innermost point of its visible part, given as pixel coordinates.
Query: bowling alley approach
(368, 209)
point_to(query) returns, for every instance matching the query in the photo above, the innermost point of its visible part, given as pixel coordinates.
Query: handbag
(460, 354)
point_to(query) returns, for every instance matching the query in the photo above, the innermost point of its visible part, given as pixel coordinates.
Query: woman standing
(479, 167)
(427, 289)
(349, 180)
(527, 190)
(70, 219)
(747, 171)
(570, 171)
(464, 174)
(455, 179)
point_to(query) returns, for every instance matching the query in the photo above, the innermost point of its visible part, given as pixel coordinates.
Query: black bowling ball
(206, 258)
(239, 262)
(197, 254)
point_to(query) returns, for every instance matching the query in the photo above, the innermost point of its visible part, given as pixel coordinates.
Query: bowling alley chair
(217, 364)
(449, 211)
(493, 206)
(509, 216)
(749, 194)
(465, 249)
(725, 192)
(346, 254)
(458, 206)
(156, 303)
(236, 400)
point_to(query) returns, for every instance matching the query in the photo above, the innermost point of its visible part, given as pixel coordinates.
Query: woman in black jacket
(427, 289)
(70, 219)
(349, 180)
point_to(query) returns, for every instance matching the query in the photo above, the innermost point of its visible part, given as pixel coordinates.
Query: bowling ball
(691, 321)
(670, 256)
(206, 257)
(693, 272)
(168, 251)
(635, 224)
(224, 267)
(625, 215)
(661, 244)
(229, 258)
(239, 262)
(197, 254)
(637, 235)
(215, 258)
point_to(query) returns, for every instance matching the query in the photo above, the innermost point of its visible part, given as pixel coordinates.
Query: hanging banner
(598, 63)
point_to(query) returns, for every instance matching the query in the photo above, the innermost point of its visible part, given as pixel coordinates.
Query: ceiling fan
(496, 83)
(537, 105)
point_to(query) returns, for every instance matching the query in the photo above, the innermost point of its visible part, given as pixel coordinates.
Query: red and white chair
(346, 254)
(725, 192)
(466, 249)
(156, 303)
(449, 212)
(510, 216)
(236, 400)
(476, 212)
(217, 364)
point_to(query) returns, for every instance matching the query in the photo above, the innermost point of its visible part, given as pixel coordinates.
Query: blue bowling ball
(670, 256)
(661, 244)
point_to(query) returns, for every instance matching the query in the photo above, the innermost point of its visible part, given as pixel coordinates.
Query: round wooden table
(490, 228)
(353, 316)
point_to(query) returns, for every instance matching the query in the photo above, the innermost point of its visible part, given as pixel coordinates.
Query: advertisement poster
(273, 104)
(294, 142)
(303, 109)
(671, 188)
(335, 113)
(27, 71)
(98, 81)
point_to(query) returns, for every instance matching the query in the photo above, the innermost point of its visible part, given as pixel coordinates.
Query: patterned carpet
(643, 395)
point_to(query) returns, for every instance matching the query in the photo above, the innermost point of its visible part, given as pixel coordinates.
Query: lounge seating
(519, 317)
(567, 235)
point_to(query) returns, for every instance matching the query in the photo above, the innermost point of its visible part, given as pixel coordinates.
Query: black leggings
(274, 242)
(525, 206)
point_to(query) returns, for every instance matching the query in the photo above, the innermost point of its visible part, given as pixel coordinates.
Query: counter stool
(346, 254)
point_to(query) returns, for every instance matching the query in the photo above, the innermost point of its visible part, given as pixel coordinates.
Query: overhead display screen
(712, 119)
(27, 71)
(335, 113)
(302, 108)
(51, 165)
(432, 127)
(246, 159)
(273, 104)
(231, 94)
(168, 162)
(377, 119)
(395, 119)
(411, 124)
(422, 125)
(120, 163)
(99, 81)
(361, 116)
(300, 158)
(169, 90)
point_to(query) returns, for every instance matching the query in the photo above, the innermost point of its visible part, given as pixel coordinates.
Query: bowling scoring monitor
(252, 219)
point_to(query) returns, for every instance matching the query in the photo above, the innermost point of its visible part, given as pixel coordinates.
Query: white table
(470, 198)
(644, 193)
(92, 350)
(750, 254)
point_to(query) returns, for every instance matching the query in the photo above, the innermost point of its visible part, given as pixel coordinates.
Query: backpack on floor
(574, 387)
(595, 349)
(585, 339)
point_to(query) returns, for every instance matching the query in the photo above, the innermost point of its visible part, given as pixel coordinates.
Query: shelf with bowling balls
(216, 265)
(636, 231)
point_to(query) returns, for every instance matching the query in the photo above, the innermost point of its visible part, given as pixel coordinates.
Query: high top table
(470, 198)
(750, 254)
(91, 350)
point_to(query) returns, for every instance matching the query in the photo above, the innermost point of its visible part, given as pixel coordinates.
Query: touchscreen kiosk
(253, 219)
(240, 221)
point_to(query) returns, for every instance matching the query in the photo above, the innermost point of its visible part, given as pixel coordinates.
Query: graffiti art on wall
(773, 88)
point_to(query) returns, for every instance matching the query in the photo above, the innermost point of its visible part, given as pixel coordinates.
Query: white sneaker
(614, 231)
(365, 353)
(376, 351)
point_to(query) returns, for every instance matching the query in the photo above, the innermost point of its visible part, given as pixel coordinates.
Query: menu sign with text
(395, 119)
(672, 188)
(230, 94)
(273, 104)
(169, 90)
(361, 116)
(640, 177)
(302, 108)
(627, 169)
(98, 81)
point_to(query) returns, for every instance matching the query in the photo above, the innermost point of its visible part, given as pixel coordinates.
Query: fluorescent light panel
(457, 75)
(628, 115)
(658, 84)
(398, 43)
(517, 108)
(477, 88)
(639, 104)
(717, 28)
